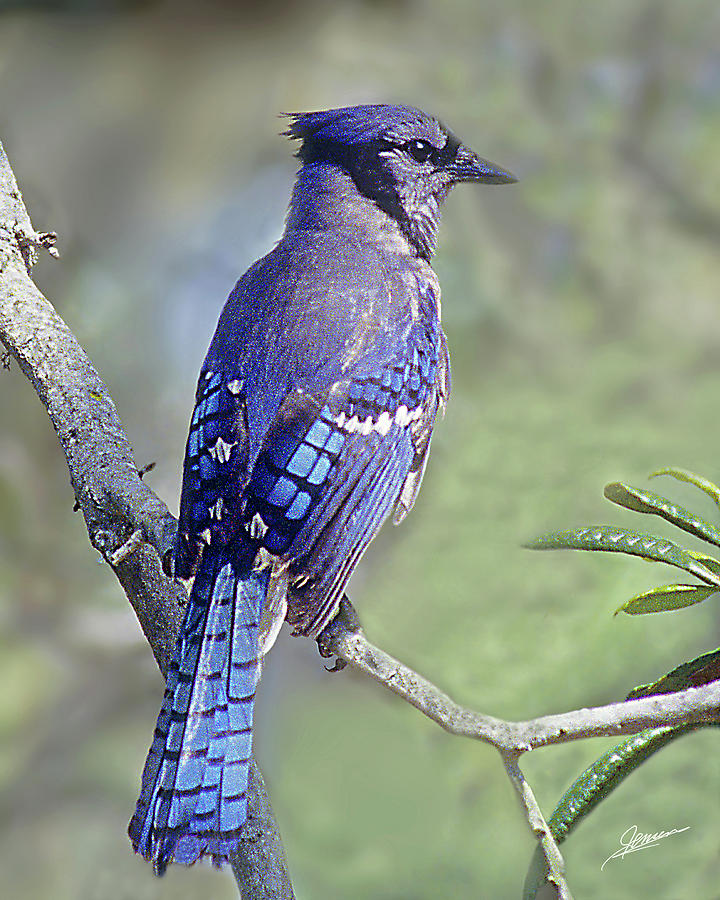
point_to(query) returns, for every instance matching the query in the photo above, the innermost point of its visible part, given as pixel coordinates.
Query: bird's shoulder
(320, 290)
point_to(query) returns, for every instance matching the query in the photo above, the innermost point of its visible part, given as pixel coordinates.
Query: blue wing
(337, 461)
(334, 455)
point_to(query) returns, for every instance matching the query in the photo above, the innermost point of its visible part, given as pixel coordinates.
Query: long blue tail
(193, 798)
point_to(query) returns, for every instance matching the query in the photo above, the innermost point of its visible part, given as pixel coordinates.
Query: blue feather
(193, 799)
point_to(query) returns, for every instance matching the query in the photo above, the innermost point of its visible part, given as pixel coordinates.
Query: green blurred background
(581, 308)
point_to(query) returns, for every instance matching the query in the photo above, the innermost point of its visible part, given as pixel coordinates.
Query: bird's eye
(419, 150)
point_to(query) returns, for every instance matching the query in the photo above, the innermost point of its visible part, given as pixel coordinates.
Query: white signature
(633, 840)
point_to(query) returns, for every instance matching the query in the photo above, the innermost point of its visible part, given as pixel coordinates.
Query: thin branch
(555, 864)
(126, 522)
(345, 639)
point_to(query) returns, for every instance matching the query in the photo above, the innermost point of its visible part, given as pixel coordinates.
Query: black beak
(468, 166)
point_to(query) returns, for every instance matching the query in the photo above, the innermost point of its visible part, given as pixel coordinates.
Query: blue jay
(314, 411)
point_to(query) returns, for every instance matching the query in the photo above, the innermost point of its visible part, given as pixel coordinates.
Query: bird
(312, 422)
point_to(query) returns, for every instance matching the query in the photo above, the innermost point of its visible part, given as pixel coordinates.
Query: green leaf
(703, 670)
(609, 539)
(653, 504)
(712, 490)
(666, 598)
(708, 561)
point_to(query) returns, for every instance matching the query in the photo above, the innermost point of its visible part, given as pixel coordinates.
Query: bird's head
(401, 158)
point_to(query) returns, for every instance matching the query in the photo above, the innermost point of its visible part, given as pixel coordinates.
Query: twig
(126, 522)
(536, 820)
(344, 638)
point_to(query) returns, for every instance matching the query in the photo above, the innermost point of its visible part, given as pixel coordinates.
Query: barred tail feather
(193, 799)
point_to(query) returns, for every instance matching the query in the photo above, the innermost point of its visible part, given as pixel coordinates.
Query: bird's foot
(346, 620)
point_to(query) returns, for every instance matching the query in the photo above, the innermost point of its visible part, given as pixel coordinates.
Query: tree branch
(344, 638)
(126, 521)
